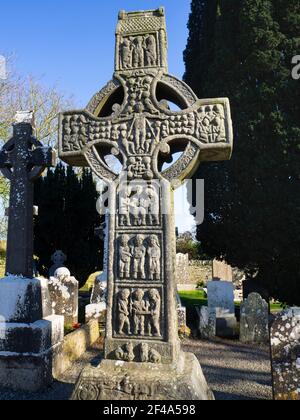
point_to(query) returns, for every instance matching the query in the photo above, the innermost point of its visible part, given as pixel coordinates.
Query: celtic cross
(131, 119)
(22, 160)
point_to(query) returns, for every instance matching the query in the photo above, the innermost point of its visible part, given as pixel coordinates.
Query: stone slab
(23, 300)
(144, 381)
(285, 350)
(254, 322)
(221, 295)
(64, 298)
(31, 338)
(222, 271)
(95, 312)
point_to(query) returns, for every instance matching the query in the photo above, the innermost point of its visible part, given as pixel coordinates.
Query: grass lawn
(191, 298)
(197, 297)
(90, 282)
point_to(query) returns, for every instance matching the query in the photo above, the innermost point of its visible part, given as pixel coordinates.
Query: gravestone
(222, 271)
(63, 289)
(219, 319)
(182, 269)
(254, 323)
(29, 334)
(129, 119)
(58, 259)
(285, 349)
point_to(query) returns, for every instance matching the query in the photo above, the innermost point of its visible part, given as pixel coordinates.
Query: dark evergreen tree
(67, 219)
(245, 48)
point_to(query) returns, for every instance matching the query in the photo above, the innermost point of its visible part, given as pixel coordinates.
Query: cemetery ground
(234, 371)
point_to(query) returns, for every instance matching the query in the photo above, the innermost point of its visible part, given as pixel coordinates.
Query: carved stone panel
(139, 205)
(139, 258)
(138, 313)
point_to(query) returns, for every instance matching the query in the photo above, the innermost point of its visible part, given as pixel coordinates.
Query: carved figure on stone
(144, 352)
(139, 254)
(123, 312)
(154, 356)
(139, 207)
(124, 257)
(153, 320)
(151, 54)
(125, 205)
(138, 52)
(129, 353)
(154, 255)
(153, 208)
(139, 310)
(126, 54)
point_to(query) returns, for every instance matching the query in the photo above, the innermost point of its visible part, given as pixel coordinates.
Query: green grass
(90, 282)
(197, 297)
(191, 298)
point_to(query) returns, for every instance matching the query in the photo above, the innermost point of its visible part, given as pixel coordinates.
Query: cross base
(111, 381)
(30, 337)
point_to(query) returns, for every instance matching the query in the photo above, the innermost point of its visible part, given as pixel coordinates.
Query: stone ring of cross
(131, 119)
(24, 155)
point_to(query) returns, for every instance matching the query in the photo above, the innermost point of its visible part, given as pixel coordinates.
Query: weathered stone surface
(226, 324)
(74, 346)
(27, 353)
(63, 291)
(254, 323)
(207, 322)
(218, 319)
(222, 271)
(131, 119)
(58, 259)
(285, 346)
(96, 311)
(220, 295)
(134, 381)
(23, 300)
(181, 311)
(182, 269)
(22, 160)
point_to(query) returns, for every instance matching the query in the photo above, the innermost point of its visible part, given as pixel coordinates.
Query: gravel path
(233, 370)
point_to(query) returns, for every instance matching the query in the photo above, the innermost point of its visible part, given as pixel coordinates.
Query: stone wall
(201, 270)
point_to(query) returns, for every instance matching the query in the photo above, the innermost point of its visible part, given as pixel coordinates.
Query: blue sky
(70, 43)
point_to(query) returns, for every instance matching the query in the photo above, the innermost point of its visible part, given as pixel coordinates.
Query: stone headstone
(219, 318)
(182, 269)
(222, 271)
(254, 323)
(58, 259)
(207, 322)
(63, 291)
(285, 348)
(29, 334)
(141, 328)
(220, 294)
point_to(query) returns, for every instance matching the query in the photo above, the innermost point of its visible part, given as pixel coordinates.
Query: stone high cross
(22, 160)
(130, 118)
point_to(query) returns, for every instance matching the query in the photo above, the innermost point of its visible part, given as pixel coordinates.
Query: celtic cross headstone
(22, 160)
(131, 119)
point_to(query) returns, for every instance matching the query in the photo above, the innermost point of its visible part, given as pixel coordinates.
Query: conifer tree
(245, 48)
(67, 219)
